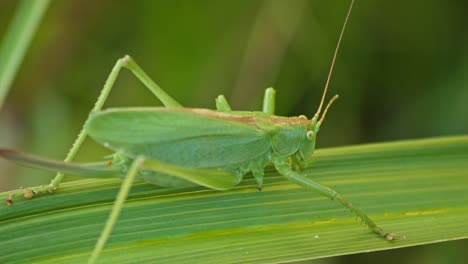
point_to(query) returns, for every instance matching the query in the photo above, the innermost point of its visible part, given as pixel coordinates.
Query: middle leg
(116, 208)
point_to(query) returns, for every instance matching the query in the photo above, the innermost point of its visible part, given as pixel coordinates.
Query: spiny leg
(125, 62)
(116, 208)
(284, 168)
(269, 101)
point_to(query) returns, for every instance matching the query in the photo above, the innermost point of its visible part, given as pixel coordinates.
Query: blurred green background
(402, 73)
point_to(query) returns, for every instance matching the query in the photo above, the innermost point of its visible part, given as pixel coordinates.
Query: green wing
(190, 137)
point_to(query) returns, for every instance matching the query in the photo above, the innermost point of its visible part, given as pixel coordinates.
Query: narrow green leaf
(416, 187)
(17, 40)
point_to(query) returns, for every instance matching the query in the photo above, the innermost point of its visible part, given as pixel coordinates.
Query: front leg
(284, 168)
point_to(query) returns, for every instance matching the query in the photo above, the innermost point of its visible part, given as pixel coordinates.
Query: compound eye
(310, 134)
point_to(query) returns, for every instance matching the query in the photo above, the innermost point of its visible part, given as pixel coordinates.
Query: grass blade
(17, 40)
(416, 187)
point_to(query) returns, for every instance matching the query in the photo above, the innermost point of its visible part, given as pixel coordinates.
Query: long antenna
(333, 61)
(326, 110)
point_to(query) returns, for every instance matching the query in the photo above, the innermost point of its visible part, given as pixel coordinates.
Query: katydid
(173, 146)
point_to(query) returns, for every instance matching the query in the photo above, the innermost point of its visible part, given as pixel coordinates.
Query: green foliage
(17, 41)
(401, 74)
(416, 187)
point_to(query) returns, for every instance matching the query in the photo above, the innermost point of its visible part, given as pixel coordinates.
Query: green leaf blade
(417, 188)
(17, 40)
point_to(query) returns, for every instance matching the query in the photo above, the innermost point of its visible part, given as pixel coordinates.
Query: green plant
(417, 186)
(17, 41)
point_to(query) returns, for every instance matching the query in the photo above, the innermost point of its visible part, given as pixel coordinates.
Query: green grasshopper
(173, 146)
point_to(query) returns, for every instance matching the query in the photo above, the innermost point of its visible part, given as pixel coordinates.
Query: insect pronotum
(173, 146)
